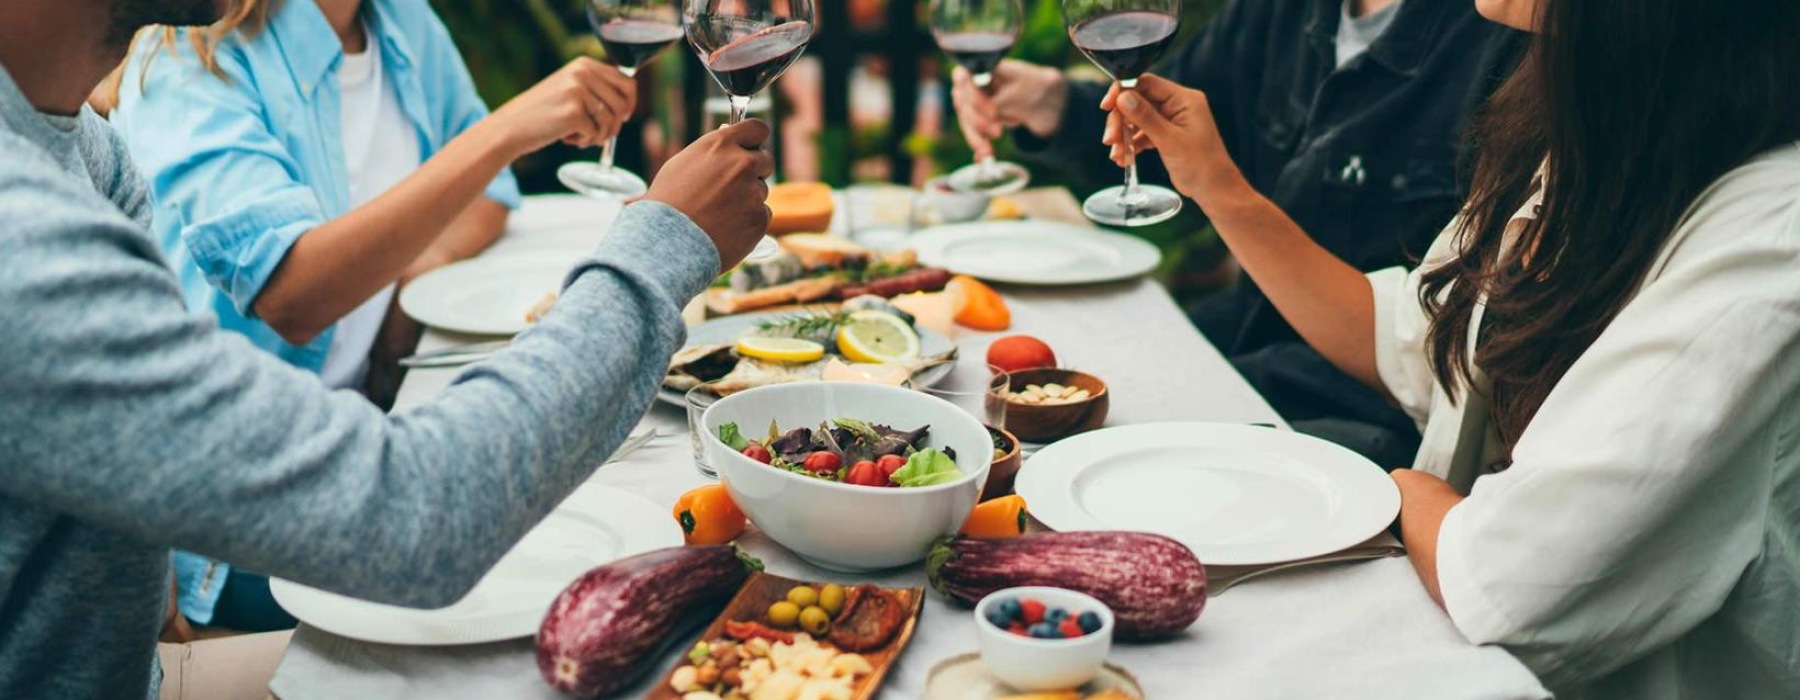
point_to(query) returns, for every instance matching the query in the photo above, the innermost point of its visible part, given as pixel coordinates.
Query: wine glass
(746, 45)
(1123, 38)
(977, 34)
(634, 33)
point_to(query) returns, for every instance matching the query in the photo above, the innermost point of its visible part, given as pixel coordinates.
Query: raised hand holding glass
(746, 45)
(633, 33)
(977, 34)
(1124, 38)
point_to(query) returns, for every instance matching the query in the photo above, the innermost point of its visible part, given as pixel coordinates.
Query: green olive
(803, 596)
(815, 621)
(784, 614)
(831, 598)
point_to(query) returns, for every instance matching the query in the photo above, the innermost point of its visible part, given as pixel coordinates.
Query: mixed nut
(759, 669)
(1049, 395)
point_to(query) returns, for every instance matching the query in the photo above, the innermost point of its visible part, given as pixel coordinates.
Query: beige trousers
(226, 668)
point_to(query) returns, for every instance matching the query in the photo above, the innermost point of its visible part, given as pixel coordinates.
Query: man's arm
(124, 411)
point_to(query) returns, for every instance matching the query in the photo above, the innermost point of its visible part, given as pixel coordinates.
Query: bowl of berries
(1039, 638)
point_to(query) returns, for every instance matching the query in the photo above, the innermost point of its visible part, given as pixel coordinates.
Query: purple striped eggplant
(600, 630)
(1155, 586)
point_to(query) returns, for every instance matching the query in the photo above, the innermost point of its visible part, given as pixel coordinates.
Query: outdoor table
(1344, 631)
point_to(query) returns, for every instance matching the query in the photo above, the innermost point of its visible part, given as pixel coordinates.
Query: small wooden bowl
(1004, 469)
(1048, 423)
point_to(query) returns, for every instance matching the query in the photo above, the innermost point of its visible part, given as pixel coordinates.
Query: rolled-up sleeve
(232, 188)
(1401, 330)
(1641, 489)
(447, 82)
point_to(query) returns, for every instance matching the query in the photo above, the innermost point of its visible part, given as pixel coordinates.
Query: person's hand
(1178, 122)
(719, 182)
(583, 104)
(1022, 94)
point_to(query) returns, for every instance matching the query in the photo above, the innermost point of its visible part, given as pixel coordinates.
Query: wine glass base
(601, 183)
(1149, 205)
(992, 179)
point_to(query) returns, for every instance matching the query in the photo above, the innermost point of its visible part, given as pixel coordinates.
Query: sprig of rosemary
(802, 324)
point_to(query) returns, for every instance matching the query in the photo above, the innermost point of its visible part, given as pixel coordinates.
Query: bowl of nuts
(1044, 405)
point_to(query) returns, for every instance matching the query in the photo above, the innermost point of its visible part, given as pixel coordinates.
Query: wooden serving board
(763, 589)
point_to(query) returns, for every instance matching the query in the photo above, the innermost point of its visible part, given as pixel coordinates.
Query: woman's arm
(338, 265)
(1326, 299)
(1424, 501)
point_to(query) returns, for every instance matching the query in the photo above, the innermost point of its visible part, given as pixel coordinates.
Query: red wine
(979, 52)
(633, 43)
(1124, 44)
(748, 63)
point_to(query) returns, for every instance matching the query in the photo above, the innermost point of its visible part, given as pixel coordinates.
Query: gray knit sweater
(129, 426)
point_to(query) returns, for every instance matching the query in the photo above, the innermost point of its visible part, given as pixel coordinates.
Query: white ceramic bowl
(840, 526)
(952, 206)
(1033, 664)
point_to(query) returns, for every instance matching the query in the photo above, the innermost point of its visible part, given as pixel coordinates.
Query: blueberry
(1045, 630)
(998, 618)
(1089, 621)
(1011, 609)
(1056, 616)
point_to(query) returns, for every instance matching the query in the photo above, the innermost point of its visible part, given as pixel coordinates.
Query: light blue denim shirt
(242, 164)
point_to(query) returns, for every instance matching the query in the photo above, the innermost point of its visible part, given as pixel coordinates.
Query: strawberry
(1070, 629)
(1032, 611)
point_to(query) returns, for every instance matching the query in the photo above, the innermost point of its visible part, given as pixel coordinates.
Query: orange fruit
(980, 307)
(1020, 352)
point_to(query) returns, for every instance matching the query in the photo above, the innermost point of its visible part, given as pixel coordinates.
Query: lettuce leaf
(927, 468)
(728, 434)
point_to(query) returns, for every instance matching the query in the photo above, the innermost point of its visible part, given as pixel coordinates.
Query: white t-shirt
(381, 148)
(1642, 545)
(1355, 34)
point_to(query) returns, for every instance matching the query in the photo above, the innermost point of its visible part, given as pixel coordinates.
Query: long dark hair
(1634, 107)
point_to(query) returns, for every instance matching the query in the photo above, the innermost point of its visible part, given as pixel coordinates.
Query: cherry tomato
(822, 462)
(758, 453)
(865, 473)
(888, 465)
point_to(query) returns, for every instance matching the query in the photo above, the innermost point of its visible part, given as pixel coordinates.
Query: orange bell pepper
(997, 519)
(708, 515)
(980, 307)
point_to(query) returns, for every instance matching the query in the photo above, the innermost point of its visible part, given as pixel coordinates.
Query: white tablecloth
(1350, 631)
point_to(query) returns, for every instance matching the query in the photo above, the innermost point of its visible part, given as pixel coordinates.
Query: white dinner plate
(727, 329)
(1035, 252)
(489, 294)
(1235, 494)
(595, 525)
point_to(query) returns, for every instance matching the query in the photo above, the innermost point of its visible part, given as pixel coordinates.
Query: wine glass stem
(982, 80)
(1130, 193)
(740, 108)
(606, 152)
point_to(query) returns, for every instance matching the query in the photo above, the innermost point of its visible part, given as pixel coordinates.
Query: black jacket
(1364, 158)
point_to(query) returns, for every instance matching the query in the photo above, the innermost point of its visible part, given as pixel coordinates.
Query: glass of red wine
(977, 34)
(1124, 38)
(746, 45)
(633, 33)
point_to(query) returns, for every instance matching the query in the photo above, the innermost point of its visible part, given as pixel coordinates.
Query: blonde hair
(246, 16)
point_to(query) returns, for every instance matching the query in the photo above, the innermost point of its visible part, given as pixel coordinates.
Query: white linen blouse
(1645, 542)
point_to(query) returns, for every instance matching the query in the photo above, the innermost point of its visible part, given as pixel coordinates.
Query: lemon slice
(877, 337)
(780, 349)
